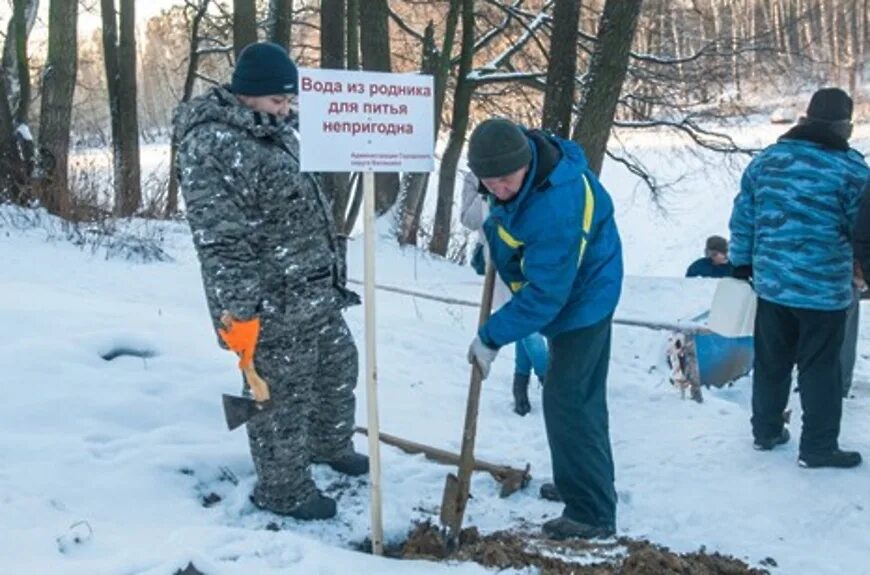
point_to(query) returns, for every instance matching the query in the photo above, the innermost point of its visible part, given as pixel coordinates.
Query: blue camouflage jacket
(556, 245)
(793, 218)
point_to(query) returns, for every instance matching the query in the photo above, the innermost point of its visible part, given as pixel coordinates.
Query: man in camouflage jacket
(791, 232)
(271, 259)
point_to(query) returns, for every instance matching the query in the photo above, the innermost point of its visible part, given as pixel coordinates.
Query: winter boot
(318, 506)
(550, 492)
(350, 463)
(768, 443)
(521, 394)
(564, 528)
(835, 458)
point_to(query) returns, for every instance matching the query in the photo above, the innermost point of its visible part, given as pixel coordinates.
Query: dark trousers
(850, 342)
(311, 368)
(575, 414)
(812, 339)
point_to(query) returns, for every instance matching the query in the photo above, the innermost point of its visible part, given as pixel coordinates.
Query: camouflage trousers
(312, 371)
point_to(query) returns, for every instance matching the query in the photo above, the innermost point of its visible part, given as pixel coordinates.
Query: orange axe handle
(258, 385)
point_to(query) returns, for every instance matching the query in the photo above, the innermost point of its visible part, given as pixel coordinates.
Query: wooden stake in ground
(456, 488)
(371, 364)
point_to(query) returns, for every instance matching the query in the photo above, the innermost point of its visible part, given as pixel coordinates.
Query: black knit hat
(498, 147)
(264, 69)
(830, 105)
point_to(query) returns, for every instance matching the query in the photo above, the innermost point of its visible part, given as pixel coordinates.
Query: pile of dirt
(517, 550)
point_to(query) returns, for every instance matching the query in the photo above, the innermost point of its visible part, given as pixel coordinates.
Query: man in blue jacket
(554, 242)
(715, 262)
(791, 232)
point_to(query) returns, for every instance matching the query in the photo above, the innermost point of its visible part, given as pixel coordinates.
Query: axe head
(239, 410)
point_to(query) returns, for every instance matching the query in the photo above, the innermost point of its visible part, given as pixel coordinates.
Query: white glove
(482, 355)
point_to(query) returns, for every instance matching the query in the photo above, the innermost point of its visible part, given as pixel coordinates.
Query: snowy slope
(132, 446)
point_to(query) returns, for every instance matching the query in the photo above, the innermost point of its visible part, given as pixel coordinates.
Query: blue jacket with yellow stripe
(556, 245)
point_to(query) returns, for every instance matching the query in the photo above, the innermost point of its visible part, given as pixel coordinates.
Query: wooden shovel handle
(258, 385)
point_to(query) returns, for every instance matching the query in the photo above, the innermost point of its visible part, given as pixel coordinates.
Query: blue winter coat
(793, 220)
(705, 268)
(556, 245)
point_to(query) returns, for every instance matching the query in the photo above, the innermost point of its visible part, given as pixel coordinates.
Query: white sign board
(366, 121)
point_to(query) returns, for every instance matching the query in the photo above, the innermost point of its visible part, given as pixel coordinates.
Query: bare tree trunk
(865, 25)
(130, 168)
(244, 24)
(853, 27)
(805, 27)
(607, 70)
(414, 185)
(113, 87)
(825, 30)
(458, 126)
(735, 56)
(836, 56)
(120, 57)
(189, 83)
(860, 37)
(10, 161)
(58, 86)
(375, 45)
(559, 93)
(22, 27)
(281, 22)
(753, 30)
(22, 61)
(353, 34)
(438, 64)
(675, 39)
(332, 21)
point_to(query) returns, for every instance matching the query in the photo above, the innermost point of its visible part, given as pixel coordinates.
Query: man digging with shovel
(274, 275)
(553, 240)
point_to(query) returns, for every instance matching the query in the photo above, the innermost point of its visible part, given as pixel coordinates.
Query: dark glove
(742, 273)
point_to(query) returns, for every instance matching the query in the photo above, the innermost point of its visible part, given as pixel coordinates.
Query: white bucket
(732, 313)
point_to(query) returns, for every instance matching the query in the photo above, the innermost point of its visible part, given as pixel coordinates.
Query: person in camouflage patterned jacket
(791, 234)
(271, 259)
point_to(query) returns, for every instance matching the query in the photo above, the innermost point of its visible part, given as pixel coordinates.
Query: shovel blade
(449, 502)
(240, 410)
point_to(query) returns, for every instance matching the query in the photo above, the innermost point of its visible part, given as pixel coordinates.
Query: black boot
(350, 463)
(550, 492)
(317, 506)
(565, 528)
(768, 443)
(521, 394)
(835, 458)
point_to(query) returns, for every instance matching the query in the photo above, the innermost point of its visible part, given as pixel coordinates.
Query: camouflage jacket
(793, 218)
(264, 232)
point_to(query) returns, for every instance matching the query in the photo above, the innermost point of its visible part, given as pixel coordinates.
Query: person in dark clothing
(861, 234)
(715, 262)
(791, 234)
(274, 265)
(553, 240)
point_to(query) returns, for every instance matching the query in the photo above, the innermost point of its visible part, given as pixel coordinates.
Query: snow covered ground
(104, 464)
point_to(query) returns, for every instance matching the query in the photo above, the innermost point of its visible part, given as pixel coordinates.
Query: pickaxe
(510, 478)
